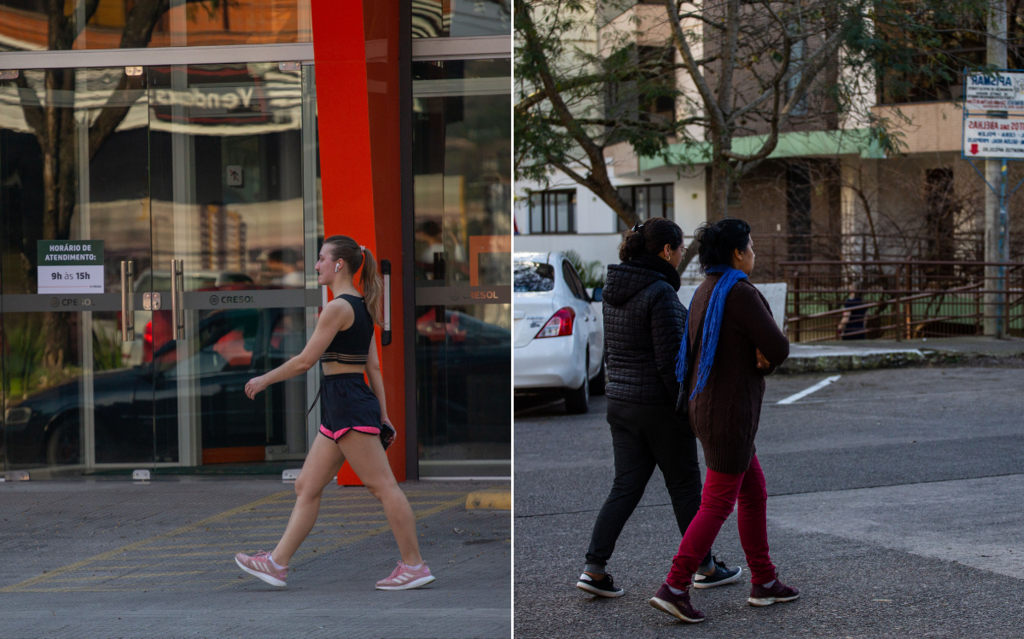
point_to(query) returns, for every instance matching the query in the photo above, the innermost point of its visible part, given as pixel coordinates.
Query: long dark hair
(718, 240)
(650, 237)
(345, 248)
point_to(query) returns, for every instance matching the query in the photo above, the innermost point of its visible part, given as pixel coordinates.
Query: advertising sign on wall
(993, 138)
(997, 92)
(70, 266)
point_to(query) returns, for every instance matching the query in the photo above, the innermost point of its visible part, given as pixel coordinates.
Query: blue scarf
(712, 326)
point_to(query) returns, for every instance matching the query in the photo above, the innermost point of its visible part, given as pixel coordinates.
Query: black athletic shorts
(349, 404)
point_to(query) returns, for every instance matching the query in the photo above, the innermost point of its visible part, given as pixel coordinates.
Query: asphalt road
(896, 504)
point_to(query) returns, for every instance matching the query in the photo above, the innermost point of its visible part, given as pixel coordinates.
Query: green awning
(791, 145)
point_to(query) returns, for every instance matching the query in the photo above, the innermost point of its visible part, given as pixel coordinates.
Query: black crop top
(352, 345)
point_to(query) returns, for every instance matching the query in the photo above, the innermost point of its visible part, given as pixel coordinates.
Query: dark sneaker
(778, 593)
(603, 587)
(678, 606)
(722, 575)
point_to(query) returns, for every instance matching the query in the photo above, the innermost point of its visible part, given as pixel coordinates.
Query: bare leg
(321, 465)
(366, 455)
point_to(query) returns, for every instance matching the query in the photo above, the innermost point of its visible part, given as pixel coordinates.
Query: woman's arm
(667, 317)
(334, 316)
(755, 320)
(843, 322)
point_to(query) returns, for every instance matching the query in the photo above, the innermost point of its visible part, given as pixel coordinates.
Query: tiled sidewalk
(111, 558)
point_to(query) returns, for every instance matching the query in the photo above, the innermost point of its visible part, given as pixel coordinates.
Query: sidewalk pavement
(886, 353)
(109, 558)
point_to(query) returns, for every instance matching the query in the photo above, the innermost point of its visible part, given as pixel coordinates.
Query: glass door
(228, 254)
(75, 229)
(152, 262)
(462, 185)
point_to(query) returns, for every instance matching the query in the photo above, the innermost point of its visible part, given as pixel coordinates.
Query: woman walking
(724, 364)
(355, 422)
(643, 321)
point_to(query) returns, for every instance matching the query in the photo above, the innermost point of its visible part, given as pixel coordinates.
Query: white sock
(275, 564)
(769, 584)
(416, 567)
(675, 592)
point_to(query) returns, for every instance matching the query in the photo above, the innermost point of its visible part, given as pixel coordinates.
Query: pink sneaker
(403, 578)
(259, 565)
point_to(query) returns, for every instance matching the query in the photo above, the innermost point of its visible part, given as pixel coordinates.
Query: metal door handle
(385, 334)
(177, 300)
(440, 268)
(127, 302)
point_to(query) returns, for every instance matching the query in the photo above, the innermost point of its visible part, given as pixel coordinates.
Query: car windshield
(533, 277)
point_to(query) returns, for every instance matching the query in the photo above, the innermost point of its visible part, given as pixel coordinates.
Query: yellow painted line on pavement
(134, 576)
(237, 523)
(489, 499)
(376, 531)
(139, 544)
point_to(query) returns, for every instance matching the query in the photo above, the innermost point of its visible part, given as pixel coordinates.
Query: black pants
(645, 436)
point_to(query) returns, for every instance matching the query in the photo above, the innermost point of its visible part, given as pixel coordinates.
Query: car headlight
(18, 415)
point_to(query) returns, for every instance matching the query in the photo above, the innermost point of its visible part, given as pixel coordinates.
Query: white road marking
(807, 391)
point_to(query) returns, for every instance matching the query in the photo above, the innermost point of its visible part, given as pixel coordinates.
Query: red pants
(721, 493)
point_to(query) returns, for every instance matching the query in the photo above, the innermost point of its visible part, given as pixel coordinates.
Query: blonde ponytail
(373, 288)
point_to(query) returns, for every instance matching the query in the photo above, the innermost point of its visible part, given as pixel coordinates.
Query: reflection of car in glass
(136, 409)
(141, 349)
(463, 364)
(559, 340)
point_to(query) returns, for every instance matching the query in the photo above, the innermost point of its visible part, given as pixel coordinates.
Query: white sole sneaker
(584, 586)
(416, 583)
(700, 584)
(664, 606)
(760, 603)
(273, 581)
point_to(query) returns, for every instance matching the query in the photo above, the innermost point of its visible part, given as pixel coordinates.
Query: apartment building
(828, 191)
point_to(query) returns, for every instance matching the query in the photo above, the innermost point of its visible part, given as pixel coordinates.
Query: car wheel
(597, 384)
(577, 401)
(64, 445)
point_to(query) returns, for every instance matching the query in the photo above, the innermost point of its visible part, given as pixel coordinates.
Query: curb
(851, 362)
(884, 359)
(489, 500)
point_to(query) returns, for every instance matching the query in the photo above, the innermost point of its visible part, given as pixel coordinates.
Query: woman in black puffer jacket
(643, 326)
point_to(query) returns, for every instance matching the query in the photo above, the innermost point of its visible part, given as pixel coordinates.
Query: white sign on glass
(70, 266)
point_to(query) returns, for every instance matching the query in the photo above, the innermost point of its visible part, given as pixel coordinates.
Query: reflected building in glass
(181, 146)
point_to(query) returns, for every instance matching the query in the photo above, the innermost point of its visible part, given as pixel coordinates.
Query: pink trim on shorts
(336, 435)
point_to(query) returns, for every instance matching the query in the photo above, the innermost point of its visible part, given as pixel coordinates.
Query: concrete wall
(595, 246)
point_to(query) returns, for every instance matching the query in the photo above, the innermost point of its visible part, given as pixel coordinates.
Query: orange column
(359, 165)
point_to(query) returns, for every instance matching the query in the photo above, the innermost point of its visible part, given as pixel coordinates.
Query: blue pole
(1001, 284)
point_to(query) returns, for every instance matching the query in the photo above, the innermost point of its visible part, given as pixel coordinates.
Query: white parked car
(559, 339)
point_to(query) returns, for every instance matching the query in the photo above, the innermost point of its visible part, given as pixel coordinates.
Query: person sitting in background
(851, 325)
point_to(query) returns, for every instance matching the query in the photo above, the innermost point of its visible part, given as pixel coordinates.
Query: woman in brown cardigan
(732, 343)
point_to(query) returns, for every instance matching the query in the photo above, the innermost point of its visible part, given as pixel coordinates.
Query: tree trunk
(60, 155)
(718, 191)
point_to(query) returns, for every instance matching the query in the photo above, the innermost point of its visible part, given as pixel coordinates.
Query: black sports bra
(352, 345)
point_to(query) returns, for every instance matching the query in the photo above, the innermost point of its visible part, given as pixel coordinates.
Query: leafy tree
(591, 273)
(740, 69)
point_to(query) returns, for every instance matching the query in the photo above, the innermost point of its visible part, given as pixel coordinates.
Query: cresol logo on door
(230, 299)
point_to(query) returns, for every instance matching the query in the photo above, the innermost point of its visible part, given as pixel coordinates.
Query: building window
(553, 212)
(648, 200)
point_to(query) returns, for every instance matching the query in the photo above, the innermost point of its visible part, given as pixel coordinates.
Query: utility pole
(996, 235)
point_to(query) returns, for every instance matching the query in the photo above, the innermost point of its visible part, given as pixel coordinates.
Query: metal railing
(902, 299)
(774, 249)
